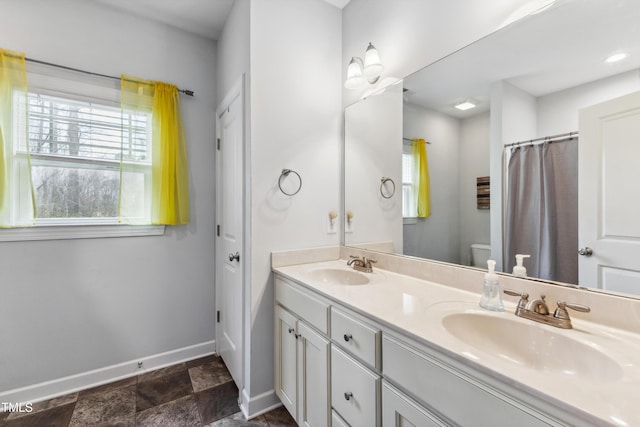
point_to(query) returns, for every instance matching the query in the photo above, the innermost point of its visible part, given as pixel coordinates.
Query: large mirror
(545, 164)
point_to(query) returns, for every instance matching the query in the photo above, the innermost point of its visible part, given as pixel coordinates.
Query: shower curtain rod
(544, 138)
(91, 73)
(411, 139)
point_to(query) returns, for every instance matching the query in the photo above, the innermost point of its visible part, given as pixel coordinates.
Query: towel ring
(383, 181)
(284, 174)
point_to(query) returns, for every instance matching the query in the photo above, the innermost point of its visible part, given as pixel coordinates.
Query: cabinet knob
(347, 338)
(291, 330)
(298, 335)
(348, 395)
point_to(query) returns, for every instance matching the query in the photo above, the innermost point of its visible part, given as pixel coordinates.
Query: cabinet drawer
(441, 387)
(312, 310)
(399, 410)
(355, 390)
(360, 339)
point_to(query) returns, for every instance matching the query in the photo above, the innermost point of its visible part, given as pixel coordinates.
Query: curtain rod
(411, 139)
(544, 138)
(91, 73)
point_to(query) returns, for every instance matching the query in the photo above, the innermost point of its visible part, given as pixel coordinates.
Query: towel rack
(383, 181)
(285, 173)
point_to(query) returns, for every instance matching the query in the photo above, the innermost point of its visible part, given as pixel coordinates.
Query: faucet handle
(524, 297)
(561, 311)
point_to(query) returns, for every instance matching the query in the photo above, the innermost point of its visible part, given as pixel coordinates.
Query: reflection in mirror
(536, 85)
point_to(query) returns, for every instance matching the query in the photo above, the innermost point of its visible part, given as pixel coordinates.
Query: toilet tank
(480, 254)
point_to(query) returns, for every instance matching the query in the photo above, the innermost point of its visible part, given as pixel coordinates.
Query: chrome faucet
(538, 311)
(363, 264)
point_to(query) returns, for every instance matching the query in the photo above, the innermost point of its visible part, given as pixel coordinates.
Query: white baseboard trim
(251, 407)
(61, 386)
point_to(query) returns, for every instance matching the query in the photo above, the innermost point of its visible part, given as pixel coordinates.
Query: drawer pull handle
(348, 395)
(297, 335)
(347, 338)
(291, 330)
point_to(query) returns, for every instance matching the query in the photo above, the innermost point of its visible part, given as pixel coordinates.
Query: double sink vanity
(408, 343)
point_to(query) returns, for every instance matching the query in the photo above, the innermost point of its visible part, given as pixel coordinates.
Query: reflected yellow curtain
(17, 202)
(170, 182)
(419, 150)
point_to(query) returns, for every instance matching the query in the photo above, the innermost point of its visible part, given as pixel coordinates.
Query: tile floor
(196, 393)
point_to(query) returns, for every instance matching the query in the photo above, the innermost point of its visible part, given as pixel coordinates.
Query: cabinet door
(285, 359)
(400, 411)
(313, 378)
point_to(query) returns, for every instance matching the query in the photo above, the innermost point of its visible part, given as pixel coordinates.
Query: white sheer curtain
(542, 209)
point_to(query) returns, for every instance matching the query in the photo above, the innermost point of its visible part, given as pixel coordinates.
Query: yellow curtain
(421, 179)
(169, 176)
(17, 203)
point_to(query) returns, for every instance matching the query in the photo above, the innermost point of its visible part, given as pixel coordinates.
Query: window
(76, 141)
(409, 208)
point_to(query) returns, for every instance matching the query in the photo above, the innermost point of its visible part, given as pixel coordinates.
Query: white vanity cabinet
(302, 363)
(341, 368)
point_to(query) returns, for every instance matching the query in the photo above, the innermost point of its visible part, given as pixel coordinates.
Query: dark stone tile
(159, 373)
(58, 416)
(280, 417)
(163, 389)
(43, 406)
(209, 375)
(53, 403)
(237, 420)
(127, 382)
(109, 407)
(218, 402)
(182, 412)
(202, 361)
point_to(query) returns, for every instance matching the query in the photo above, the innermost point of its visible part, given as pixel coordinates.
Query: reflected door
(609, 199)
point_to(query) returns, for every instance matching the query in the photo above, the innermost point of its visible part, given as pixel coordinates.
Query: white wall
(474, 162)
(373, 139)
(72, 306)
(438, 236)
(558, 112)
(296, 123)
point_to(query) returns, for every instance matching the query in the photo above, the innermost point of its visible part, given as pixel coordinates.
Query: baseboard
(59, 387)
(251, 407)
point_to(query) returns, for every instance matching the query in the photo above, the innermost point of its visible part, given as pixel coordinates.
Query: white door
(609, 204)
(229, 247)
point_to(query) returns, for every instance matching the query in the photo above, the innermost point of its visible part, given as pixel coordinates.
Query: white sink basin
(532, 346)
(336, 276)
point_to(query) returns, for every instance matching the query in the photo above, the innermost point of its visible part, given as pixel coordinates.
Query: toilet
(480, 253)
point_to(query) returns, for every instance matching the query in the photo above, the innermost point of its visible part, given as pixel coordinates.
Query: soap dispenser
(491, 296)
(518, 269)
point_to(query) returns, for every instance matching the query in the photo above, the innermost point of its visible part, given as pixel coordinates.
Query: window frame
(407, 151)
(74, 86)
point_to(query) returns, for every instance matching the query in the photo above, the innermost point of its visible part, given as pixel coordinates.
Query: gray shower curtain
(542, 209)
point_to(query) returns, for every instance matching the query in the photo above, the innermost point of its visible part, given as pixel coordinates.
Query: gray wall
(73, 306)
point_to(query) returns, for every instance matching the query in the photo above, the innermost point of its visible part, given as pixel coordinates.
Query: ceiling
(203, 17)
(561, 48)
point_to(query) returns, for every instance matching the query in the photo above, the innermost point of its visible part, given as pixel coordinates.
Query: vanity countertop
(602, 388)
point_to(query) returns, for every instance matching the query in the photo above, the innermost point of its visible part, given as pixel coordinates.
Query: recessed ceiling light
(617, 57)
(466, 105)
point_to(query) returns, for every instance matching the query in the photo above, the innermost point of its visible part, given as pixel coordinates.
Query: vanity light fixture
(360, 72)
(466, 105)
(616, 57)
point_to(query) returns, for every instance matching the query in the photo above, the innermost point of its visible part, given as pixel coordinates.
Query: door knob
(586, 251)
(235, 256)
